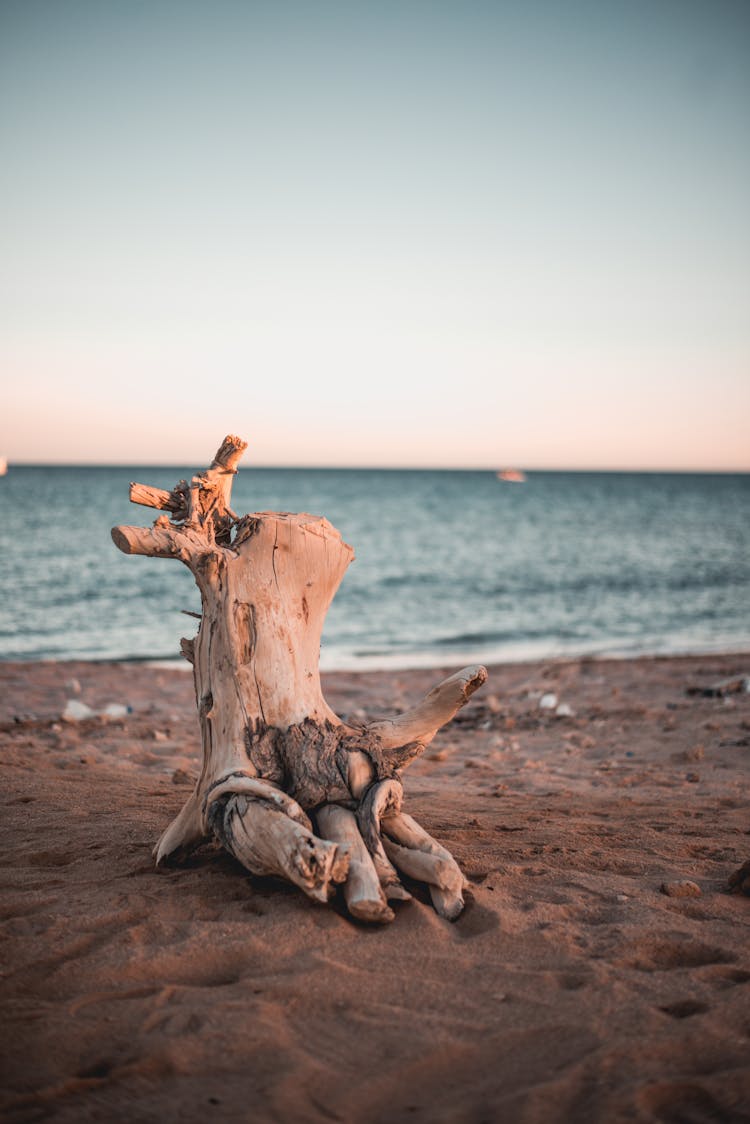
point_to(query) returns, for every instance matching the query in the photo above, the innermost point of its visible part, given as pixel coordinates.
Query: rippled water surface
(449, 566)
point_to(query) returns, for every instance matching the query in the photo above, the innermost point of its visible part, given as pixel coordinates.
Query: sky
(393, 232)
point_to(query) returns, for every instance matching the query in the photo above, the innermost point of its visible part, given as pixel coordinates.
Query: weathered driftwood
(285, 785)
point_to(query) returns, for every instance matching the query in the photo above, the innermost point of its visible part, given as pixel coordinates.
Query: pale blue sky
(413, 233)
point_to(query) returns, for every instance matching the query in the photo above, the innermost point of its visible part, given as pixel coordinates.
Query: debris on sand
(682, 888)
(739, 882)
(731, 686)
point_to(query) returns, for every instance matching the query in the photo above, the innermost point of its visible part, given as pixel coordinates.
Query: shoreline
(50, 680)
(571, 987)
(432, 660)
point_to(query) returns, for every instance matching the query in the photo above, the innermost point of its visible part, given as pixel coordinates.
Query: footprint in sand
(97, 1071)
(730, 977)
(663, 955)
(572, 982)
(50, 858)
(475, 920)
(685, 1008)
(478, 877)
(95, 997)
(175, 1024)
(685, 1102)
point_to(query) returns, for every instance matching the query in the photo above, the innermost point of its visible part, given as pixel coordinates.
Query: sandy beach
(573, 988)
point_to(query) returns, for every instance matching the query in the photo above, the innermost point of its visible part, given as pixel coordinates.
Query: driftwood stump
(285, 785)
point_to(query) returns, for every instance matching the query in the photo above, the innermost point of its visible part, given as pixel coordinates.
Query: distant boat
(3, 465)
(512, 476)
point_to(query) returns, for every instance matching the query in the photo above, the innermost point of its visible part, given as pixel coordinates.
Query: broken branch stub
(285, 785)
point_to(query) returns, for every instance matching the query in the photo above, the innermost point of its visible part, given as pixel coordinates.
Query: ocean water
(450, 567)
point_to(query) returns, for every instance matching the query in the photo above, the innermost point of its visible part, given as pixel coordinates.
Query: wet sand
(571, 989)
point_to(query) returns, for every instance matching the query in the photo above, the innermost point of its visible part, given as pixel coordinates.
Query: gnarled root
(363, 894)
(268, 841)
(420, 856)
(184, 832)
(381, 798)
(415, 728)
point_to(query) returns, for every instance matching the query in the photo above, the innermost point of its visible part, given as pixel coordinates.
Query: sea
(451, 567)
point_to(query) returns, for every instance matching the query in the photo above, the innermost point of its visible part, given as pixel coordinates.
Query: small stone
(73, 686)
(159, 736)
(623, 898)
(693, 778)
(548, 701)
(179, 776)
(116, 710)
(76, 711)
(564, 710)
(145, 758)
(683, 888)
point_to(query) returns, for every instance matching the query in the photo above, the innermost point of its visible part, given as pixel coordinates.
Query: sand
(571, 989)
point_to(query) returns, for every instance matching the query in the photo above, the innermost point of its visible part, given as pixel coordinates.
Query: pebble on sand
(682, 888)
(76, 711)
(116, 710)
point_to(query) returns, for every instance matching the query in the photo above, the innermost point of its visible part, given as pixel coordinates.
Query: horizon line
(676, 471)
